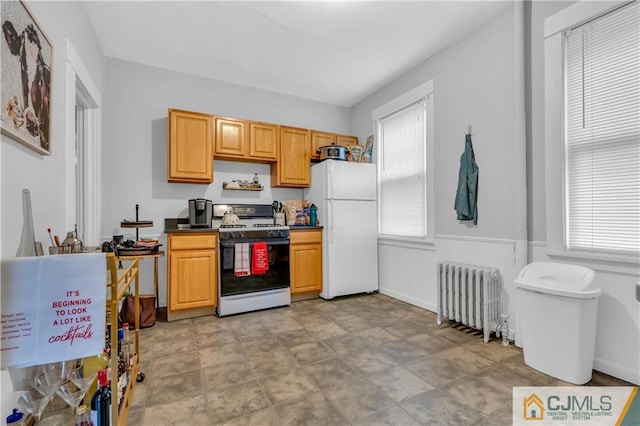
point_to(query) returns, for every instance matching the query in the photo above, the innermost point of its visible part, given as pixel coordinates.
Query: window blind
(603, 132)
(403, 172)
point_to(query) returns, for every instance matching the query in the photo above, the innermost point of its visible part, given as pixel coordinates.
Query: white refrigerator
(345, 194)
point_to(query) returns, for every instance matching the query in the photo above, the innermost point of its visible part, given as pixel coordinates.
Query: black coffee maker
(200, 211)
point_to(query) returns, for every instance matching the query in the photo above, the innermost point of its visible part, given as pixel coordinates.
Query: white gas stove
(240, 291)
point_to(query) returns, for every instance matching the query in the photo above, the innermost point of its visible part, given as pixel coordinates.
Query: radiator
(470, 295)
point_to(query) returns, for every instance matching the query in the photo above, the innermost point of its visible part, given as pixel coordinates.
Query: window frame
(555, 133)
(424, 91)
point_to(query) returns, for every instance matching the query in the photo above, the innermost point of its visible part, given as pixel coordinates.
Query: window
(602, 122)
(404, 130)
(592, 133)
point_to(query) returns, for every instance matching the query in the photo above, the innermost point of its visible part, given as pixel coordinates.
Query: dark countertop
(171, 227)
(190, 230)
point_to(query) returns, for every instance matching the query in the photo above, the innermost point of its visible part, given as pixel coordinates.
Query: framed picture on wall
(25, 55)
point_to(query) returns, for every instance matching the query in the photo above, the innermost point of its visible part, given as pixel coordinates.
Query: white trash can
(557, 311)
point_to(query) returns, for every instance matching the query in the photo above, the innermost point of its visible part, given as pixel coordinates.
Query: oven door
(276, 277)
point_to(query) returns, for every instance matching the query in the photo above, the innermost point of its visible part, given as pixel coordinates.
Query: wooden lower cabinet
(192, 275)
(305, 260)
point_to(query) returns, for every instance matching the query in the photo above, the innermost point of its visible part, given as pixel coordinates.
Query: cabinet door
(319, 139)
(345, 140)
(306, 261)
(263, 139)
(190, 156)
(193, 278)
(306, 268)
(230, 137)
(293, 167)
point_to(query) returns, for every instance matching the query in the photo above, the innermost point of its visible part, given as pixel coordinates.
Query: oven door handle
(232, 243)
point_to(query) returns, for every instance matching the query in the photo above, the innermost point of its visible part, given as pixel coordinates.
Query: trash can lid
(559, 279)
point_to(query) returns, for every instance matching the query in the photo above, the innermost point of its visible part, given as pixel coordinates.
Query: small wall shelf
(225, 185)
(243, 189)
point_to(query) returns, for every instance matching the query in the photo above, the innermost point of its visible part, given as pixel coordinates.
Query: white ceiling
(335, 52)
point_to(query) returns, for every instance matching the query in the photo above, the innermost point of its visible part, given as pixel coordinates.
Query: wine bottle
(101, 402)
(127, 350)
(122, 368)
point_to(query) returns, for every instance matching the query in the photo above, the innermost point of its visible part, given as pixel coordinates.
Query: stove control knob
(272, 233)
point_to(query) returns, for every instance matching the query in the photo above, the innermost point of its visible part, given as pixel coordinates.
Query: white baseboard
(621, 372)
(411, 300)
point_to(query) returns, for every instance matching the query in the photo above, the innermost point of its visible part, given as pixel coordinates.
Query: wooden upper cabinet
(245, 140)
(319, 139)
(345, 140)
(292, 168)
(230, 137)
(263, 141)
(190, 158)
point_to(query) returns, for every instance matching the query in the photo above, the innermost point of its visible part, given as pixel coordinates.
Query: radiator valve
(504, 329)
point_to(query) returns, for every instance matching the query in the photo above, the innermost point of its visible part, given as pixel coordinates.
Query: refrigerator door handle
(331, 221)
(329, 179)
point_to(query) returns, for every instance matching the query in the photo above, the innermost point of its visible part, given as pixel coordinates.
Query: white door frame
(78, 83)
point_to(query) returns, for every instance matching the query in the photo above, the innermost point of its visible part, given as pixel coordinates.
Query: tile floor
(360, 360)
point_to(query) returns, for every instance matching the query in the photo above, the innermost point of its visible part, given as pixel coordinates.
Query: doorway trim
(78, 83)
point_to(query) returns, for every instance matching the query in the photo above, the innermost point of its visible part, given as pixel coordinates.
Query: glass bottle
(313, 215)
(122, 368)
(101, 402)
(27, 245)
(127, 350)
(82, 417)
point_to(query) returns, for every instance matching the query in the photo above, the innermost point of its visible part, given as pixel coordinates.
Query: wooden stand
(155, 257)
(120, 281)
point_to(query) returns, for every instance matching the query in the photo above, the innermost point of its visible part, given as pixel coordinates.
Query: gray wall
(473, 84)
(24, 168)
(617, 350)
(477, 81)
(134, 155)
(44, 175)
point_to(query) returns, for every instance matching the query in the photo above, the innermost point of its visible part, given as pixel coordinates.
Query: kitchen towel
(241, 262)
(259, 259)
(53, 308)
(466, 204)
